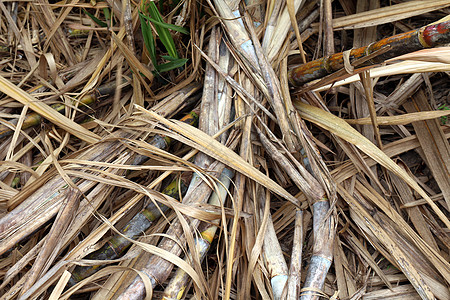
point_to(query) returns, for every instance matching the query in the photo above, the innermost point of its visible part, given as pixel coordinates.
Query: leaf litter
(224, 149)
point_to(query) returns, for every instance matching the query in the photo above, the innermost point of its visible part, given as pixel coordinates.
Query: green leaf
(164, 33)
(162, 28)
(106, 13)
(171, 65)
(95, 19)
(170, 26)
(148, 38)
(169, 58)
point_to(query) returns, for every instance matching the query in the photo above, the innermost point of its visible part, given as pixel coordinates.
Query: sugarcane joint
(414, 40)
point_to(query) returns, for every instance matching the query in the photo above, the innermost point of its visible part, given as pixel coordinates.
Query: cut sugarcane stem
(51, 196)
(322, 256)
(295, 268)
(157, 267)
(179, 282)
(34, 119)
(425, 37)
(117, 245)
(276, 264)
(323, 226)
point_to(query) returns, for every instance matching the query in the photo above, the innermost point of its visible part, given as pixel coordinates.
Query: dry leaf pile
(224, 149)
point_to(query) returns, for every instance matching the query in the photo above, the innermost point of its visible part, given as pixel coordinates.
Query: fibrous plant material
(35, 119)
(117, 245)
(323, 223)
(336, 189)
(53, 243)
(51, 194)
(158, 268)
(177, 286)
(425, 37)
(47, 112)
(295, 268)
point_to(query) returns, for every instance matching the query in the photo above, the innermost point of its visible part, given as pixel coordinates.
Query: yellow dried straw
(215, 149)
(47, 112)
(340, 128)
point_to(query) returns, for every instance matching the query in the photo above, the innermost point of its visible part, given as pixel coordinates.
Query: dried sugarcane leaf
(402, 119)
(53, 241)
(402, 258)
(440, 54)
(81, 56)
(281, 29)
(404, 67)
(339, 127)
(388, 14)
(404, 230)
(167, 255)
(134, 63)
(215, 149)
(59, 288)
(437, 152)
(406, 196)
(46, 111)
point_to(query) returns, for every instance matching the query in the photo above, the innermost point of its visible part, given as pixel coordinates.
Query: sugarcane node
(324, 199)
(117, 245)
(414, 40)
(368, 53)
(342, 73)
(34, 119)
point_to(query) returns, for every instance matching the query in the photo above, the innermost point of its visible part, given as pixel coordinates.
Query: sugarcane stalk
(278, 29)
(274, 94)
(92, 201)
(84, 214)
(34, 119)
(53, 244)
(118, 244)
(232, 20)
(157, 268)
(274, 11)
(322, 255)
(274, 260)
(295, 269)
(418, 39)
(323, 225)
(176, 287)
(224, 90)
(240, 188)
(381, 230)
(49, 196)
(79, 251)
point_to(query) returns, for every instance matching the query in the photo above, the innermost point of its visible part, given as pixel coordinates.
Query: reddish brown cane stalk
(418, 39)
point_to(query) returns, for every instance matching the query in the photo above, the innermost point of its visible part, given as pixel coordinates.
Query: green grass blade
(172, 65)
(169, 26)
(148, 38)
(107, 14)
(164, 33)
(95, 19)
(169, 58)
